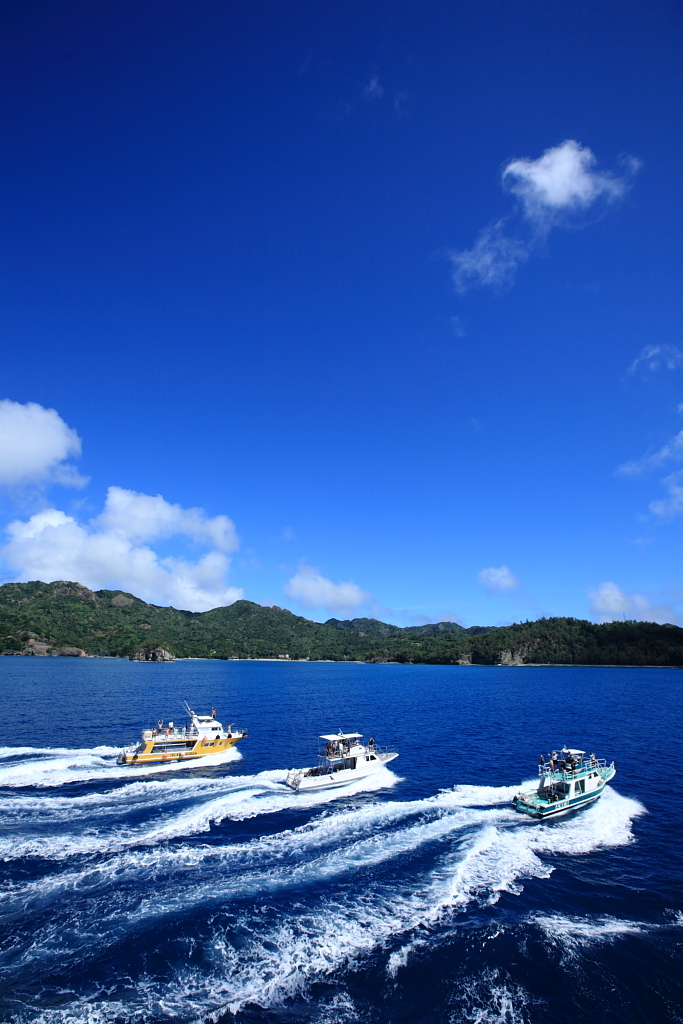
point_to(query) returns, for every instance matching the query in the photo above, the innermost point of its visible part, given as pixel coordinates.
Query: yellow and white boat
(202, 735)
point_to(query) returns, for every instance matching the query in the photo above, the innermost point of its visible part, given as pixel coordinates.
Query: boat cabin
(169, 738)
(344, 751)
(569, 774)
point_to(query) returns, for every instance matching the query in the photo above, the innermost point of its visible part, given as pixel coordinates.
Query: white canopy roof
(343, 736)
(568, 750)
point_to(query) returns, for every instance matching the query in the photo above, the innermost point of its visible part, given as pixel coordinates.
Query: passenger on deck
(371, 743)
(160, 724)
(541, 761)
(213, 712)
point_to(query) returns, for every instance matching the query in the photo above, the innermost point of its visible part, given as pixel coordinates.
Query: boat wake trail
(50, 767)
(355, 875)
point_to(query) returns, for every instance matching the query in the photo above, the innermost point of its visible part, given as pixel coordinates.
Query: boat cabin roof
(342, 736)
(576, 753)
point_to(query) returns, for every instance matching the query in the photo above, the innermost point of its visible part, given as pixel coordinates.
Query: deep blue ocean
(216, 893)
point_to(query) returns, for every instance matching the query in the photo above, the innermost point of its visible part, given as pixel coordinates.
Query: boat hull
(201, 748)
(527, 803)
(303, 783)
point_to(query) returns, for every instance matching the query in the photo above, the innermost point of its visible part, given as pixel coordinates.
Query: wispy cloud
(610, 603)
(555, 190)
(670, 452)
(492, 261)
(401, 102)
(497, 578)
(458, 326)
(667, 508)
(373, 90)
(313, 590)
(656, 357)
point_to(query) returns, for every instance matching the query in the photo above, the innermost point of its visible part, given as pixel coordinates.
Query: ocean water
(215, 893)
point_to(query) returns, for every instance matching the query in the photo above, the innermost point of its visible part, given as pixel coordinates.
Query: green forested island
(41, 619)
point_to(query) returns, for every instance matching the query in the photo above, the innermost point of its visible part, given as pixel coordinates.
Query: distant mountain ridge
(45, 618)
(373, 627)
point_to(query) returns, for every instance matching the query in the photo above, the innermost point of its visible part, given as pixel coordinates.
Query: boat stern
(294, 777)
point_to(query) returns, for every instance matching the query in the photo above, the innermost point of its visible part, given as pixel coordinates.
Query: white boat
(569, 779)
(344, 760)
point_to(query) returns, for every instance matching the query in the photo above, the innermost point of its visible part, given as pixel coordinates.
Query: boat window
(372, 757)
(161, 748)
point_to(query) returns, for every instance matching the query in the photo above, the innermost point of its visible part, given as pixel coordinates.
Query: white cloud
(315, 591)
(673, 505)
(610, 603)
(551, 191)
(671, 451)
(34, 444)
(561, 180)
(141, 517)
(498, 579)
(373, 90)
(655, 357)
(112, 551)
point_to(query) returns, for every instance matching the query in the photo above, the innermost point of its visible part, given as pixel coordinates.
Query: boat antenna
(186, 707)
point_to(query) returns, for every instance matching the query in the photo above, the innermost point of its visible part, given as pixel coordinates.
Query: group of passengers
(341, 748)
(567, 764)
(171, 730)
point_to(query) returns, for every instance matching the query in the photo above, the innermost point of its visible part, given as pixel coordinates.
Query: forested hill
(41, 618)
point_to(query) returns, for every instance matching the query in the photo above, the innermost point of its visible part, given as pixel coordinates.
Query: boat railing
(340, 755)
(187, 734)
(566, 774)
(175, 733)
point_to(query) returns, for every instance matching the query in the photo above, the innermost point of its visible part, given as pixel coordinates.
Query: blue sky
(360, 308)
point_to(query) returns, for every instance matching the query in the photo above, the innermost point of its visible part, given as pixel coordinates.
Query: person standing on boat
(213, 712)
(541, 761)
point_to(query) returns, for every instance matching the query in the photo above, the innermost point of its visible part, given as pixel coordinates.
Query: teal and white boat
(567, 780)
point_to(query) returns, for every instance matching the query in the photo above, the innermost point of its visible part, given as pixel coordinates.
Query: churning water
(214, 892)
